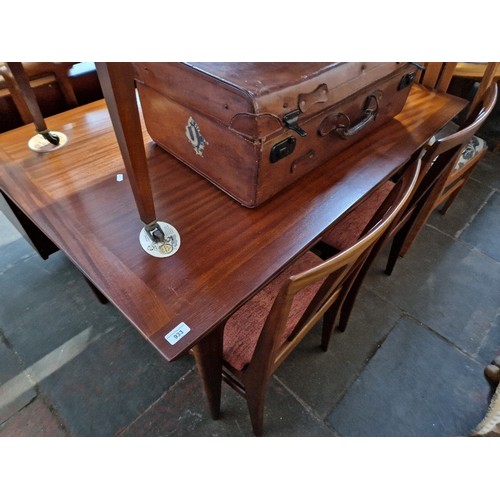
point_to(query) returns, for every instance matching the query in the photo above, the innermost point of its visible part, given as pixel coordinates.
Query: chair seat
(243, 328)
(347, 231)
(475, 146)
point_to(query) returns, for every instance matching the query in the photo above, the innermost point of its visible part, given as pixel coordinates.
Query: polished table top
(227, 252)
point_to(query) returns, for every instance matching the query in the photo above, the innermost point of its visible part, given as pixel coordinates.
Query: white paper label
(177, 333)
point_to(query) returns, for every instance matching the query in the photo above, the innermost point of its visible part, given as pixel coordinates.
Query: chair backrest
(437, 162)
(59, 71)
(436, 75)
(440, 157)
(487, 80)
(334, 274)
(10, 83)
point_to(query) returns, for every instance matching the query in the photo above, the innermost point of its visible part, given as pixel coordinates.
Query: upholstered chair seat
(475, 147)
(243, 328)
(349, 229)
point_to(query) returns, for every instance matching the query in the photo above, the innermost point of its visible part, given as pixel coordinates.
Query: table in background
(473, 71)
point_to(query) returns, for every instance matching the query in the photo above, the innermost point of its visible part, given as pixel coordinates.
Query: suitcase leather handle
(341, 124)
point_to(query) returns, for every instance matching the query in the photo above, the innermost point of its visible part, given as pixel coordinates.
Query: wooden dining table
(80, 198)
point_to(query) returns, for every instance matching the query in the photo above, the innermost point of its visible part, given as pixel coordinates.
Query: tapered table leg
(118, 87)
(208, 356)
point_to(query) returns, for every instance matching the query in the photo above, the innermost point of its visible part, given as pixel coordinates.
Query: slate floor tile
(109, 383)
(484, 230)
(447, 285)
(16, 388)
(7, 230)
(13, 252)
(10, 366)
(490, 347)
(487, 170)
(463, 210)
(321, 378)
(183, 411)
(12, 246)
(45, 303)
(406, 389)
(35, 420)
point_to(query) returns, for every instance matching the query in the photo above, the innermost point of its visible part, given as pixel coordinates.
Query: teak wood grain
(227, 252)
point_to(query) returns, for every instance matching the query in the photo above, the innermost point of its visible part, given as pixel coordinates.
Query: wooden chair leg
(208, 356)
(66, 88)
(415, 228)
(410, 238)
(454, 192)
(449, 201)
(255, 393)
(354, 287)
(394, 252)
(328, 326)
(348, 304)
(423, 213)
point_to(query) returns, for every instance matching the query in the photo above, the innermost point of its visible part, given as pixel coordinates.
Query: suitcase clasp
(291, 121)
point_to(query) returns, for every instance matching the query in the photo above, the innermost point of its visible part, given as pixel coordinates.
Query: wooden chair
(438, 76)
(470, 153)
(437, 161)
(473, 151)
(262, 333)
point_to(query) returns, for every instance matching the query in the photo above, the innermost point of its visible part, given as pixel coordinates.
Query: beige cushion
(475, 146)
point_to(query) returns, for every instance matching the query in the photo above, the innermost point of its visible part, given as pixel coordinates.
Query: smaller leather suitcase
(254, 128)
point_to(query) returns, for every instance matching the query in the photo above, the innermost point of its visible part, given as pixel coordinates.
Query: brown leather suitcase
(254, 128)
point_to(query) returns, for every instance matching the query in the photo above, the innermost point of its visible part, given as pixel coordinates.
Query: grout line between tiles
(162, 395)
(310, 411)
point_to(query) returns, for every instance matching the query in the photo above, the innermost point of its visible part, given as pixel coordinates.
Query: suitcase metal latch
(282, 149)
(406, 80)
(291, 121)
